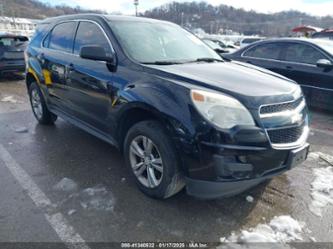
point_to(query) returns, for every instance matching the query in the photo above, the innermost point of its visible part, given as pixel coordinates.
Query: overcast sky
(314, 7)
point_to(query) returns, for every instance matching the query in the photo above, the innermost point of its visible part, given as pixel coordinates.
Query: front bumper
(233, 178)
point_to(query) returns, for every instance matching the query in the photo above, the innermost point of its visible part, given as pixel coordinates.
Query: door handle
(250, 62)
(289, 67)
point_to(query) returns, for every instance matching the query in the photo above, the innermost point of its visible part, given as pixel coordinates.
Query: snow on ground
(281, 229)
(9, 99)
(322, 185)
(322, 190)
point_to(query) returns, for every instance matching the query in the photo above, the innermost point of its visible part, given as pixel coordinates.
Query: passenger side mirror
(96, 53)
(324, 63)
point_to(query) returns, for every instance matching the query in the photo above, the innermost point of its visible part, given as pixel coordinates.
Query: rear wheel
(38, 105)
(152, 160)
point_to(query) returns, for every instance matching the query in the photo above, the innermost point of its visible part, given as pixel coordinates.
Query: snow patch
(21, 130)
(71, 212)
(281, 229)
(321, 190)
(9, 99)
(97, 198)
(66, 185)
(313, 156)
(249, 198)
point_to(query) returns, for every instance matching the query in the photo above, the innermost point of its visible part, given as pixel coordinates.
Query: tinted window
(90, 34)
(323, 35)
(62, 37)
(265, 51)
(303, 54)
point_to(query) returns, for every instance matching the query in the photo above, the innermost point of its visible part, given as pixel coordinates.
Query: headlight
(221, 110)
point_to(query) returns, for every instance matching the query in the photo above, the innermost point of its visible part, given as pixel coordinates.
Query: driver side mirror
(96, 53)
(324, 63)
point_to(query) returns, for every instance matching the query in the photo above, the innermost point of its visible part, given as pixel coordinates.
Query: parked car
(180, 115)
(325, 34)
(12, 53)
(220, 46)
(309, 62)
(215, 46)
(249, 40)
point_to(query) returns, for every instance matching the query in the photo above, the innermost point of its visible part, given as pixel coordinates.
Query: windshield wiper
(208, 60)
(163, 63)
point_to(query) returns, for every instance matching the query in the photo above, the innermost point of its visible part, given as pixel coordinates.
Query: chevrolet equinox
(181, 115)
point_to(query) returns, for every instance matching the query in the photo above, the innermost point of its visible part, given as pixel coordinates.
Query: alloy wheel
(36, 104)
(146, 161)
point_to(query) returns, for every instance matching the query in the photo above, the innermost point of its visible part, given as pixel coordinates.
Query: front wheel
(152, 160)
(38, 106)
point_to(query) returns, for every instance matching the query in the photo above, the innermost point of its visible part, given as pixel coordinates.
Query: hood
(254, 85)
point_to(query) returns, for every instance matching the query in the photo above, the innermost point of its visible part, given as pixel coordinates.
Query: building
(19, 26)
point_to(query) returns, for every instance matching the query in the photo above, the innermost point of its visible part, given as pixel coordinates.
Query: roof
(306, 28)
(101, 16)
(309, 40)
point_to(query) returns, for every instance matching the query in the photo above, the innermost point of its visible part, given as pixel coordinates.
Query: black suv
(12, 52)
(180, 114)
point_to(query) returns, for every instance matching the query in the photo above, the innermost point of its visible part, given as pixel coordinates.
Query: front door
(89, 82)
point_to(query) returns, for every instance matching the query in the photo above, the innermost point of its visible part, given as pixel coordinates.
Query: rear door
(301, 65)
(90, 82)
(266, 55)
(55, 57)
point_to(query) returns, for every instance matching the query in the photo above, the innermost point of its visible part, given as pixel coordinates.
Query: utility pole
(136, 4)
(182, 19)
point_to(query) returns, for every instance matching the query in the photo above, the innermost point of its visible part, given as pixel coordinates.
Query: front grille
(286, 135)
(267, 109)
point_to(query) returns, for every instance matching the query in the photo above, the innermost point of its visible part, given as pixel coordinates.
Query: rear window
(12, 41)
(61, 37)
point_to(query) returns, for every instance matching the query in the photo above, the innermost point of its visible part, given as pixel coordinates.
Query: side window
(265, 51)
(61, 37)
(302, 53)
(90, 34)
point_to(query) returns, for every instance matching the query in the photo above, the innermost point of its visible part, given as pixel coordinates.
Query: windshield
(326, 45)
(148, 42)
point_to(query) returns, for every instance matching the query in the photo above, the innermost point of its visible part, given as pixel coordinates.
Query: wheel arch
(29, 79)
(135, 114)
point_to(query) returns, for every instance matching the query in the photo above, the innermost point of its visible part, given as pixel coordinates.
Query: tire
(165, 177)
(38, 106)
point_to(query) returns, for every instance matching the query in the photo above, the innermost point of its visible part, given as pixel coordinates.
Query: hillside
(190, 14)
(37, 10)
(213, 18)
